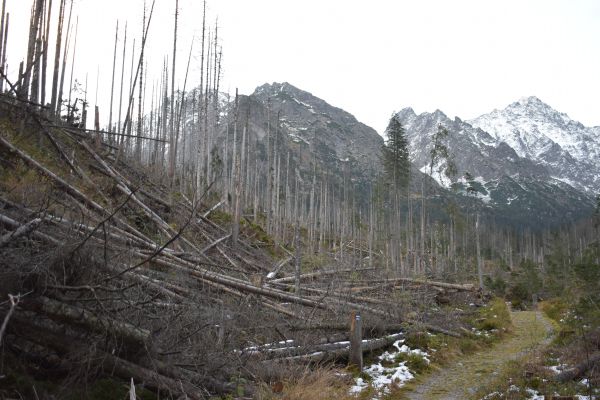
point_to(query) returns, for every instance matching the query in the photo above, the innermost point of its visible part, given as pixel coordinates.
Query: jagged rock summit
(534, 130)
(527, 157)
(334, 135)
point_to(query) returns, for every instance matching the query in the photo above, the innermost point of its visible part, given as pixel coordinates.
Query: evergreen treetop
(395, 154)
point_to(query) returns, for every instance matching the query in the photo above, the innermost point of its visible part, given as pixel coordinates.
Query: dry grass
(317, 384)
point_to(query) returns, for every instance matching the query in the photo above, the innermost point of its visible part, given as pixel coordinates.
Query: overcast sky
(464, 57)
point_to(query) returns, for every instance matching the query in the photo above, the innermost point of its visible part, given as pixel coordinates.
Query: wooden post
(356, 356)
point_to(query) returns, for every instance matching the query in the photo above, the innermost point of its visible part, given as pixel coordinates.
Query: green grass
(494, 316)
(415, 362)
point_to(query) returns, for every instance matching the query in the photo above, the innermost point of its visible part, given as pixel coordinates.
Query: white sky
(465, 57)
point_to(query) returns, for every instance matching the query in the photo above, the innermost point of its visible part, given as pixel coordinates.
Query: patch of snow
(297, 139)
(437, 174)
(557, 369)
(534, 395)
(358, 386)
(382, 378)
(492, 396)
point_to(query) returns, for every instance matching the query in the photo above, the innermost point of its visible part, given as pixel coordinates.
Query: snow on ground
(534, 395)
(383, 378)
(557, 369)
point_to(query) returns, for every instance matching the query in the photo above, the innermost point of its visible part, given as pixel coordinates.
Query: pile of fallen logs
(109, 273)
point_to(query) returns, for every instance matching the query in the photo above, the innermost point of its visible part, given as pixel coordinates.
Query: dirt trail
(460, 380)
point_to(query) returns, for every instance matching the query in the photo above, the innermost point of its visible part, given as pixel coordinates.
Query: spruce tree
(395, 154)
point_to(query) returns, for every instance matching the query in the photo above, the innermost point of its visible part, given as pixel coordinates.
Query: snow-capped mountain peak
(527, 151)
(539, 133)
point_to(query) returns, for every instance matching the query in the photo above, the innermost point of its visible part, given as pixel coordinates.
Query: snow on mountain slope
(536, 131)
(473, 150)
(529, 161)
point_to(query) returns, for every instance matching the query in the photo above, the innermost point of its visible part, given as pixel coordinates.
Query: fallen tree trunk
(63, 312)
(71, 190)
(319, 274)
(381, 328)
(367, 345)
(213, 244)
(20, 231)
(39, 235)
(123, 186)
(59, 181)
(445, 285)
(263, 291)
(273, 274)
(111, 364)
(579, 370)
(341, 295)
(127, 370)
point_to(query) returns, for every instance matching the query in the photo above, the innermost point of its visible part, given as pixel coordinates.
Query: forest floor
(531, 330)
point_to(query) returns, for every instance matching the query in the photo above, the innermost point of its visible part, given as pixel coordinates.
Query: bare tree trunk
(112, 84)
(298, 262)
(269, 170)
(199, 148)
(172, 144)
(138, 141)
(45, 55)
(64, 64)
(181, 113)
(54, 100)
(71, 109)
(207, 133)
(122, 79)
(3, 55)
(2, 21)
(479, 265)
(237, 183)
(36, 14)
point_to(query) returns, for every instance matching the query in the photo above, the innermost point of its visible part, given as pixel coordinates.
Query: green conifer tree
(395, 154)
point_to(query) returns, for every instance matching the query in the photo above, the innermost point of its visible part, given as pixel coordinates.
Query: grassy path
(460, 380)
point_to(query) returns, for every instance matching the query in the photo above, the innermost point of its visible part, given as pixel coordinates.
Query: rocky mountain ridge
(525, 158)
(512, 181)
(535, 131)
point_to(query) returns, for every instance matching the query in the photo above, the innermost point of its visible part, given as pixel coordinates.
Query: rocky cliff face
(530, 161)
(535, 131)
(333, 135)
